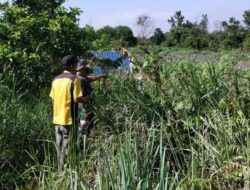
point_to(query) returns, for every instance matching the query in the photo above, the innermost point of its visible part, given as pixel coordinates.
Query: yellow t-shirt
(61, 97)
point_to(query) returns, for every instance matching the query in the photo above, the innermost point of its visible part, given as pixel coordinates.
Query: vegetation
(182, 124)
(187, 128)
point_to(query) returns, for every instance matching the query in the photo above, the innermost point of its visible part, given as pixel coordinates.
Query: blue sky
(99, 13)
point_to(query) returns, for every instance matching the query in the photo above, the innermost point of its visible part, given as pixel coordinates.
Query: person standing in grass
(87, 112)
(65, 93)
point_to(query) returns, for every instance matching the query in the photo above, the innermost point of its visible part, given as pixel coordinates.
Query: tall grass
(190, 133)
(25, 125)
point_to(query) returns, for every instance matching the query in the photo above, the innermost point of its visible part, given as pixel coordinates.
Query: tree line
(182, 34)
(35, 34)
(186, 34)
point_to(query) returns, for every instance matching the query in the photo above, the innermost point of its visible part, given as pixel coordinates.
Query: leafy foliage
(184, 33)
(158, 36)
(246, 17)
(32, 42)
(181, 125)
(184, 125)
(176, 20)
(233, 32)
(125, 35)
(108, 37)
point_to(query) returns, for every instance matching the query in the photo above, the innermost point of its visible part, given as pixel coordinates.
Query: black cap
(69, 60)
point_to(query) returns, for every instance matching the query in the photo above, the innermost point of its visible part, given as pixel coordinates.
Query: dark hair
(67, 68)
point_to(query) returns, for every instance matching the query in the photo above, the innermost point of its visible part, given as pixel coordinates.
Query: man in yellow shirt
(65, 93)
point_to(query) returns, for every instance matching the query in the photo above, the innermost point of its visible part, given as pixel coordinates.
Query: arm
(96, 77)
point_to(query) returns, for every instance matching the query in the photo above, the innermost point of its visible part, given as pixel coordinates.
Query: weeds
(190, 133)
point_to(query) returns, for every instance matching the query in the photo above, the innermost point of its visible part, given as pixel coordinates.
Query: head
(69, 63)
(125, 53)
(82, 67)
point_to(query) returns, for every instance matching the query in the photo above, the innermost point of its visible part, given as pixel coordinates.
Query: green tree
(169, 39)
(102, 42)
(124, 34)
(104, 38)
(204, 24)
(246, 42)
(158, 36)
(187, 34)
(177, 20)
(106, 30)
(41, 5)
(90, 36)
(214, 40)
(176, 35)
(33, 42)
(192, 38)
(246, 18)
(233, 32)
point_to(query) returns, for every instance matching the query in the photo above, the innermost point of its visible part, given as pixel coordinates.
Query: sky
(99, 13)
